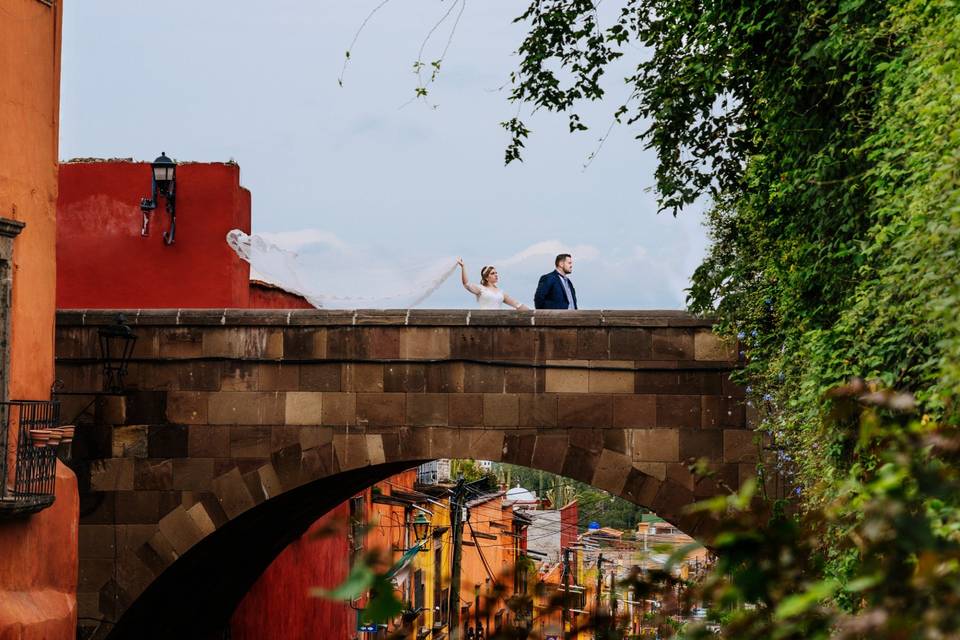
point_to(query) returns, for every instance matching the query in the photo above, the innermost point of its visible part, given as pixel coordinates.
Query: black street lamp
(116, 347)
(163, 180)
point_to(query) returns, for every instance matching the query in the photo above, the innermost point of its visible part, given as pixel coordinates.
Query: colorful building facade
(38, 540)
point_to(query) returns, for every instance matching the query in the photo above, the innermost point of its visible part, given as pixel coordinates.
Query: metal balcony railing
(29, 485)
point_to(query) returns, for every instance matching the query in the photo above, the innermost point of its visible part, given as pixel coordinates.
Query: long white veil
(329, 281)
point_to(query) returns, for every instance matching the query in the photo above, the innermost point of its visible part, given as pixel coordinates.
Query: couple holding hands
(554, 291)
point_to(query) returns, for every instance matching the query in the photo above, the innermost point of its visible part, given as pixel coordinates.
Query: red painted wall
(568, 525)
(265, 296)
(278, 605)
(103, 262)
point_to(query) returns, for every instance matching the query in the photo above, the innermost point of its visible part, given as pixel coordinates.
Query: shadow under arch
(195, 596)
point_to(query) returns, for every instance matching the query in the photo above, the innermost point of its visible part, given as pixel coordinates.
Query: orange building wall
(38, 562)
(487, 519)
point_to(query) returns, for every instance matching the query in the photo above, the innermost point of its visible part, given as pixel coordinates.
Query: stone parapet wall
(228, 409)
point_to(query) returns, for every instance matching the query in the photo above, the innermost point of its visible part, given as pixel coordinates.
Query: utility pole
(456, 531)
(613, 595)
(599, 583)
(566, 592)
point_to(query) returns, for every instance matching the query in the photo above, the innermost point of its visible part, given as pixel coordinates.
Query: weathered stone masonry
(229, 409)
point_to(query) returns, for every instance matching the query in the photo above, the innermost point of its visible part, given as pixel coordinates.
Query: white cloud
(551, 248)
(296, 240)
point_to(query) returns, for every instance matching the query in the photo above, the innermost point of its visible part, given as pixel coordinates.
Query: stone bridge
(239, 428)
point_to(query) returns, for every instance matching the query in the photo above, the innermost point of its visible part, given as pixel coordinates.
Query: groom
(555, 291)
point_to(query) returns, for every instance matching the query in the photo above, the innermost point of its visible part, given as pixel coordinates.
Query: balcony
(28, 485)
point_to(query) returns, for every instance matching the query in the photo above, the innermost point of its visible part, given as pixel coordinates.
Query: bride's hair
(484, 273)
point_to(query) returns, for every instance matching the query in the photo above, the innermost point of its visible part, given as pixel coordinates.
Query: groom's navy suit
(550, 292)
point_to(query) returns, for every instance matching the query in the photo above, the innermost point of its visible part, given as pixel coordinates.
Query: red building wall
(278, 605)
(103, 262)
(568, 525)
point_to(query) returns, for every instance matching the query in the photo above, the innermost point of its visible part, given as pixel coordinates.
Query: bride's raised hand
(460, 263)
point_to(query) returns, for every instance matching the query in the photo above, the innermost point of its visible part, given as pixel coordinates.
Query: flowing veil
(331, 281)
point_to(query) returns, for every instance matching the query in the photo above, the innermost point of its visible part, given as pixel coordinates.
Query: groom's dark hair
(560, 258)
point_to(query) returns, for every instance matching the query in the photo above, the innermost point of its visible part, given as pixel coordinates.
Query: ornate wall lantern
(163, 182)
(421, 528)
(116, 346)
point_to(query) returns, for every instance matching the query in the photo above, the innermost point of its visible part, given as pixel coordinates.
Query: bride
(489, 296)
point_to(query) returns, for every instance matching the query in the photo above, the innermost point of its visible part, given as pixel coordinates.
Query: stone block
(635, 411)
(129, 441)
(611, 471)
(558, 344)
(589, 439)
(269, 481)
(427, 409)
(278, 377)
(320, 377)
(208, 441)
(146, 407)
(147, 344)
(679, 473)
(731, 388)
(285, 435)
(656, 470)
(700, 443)
(153, 475)
(404, 378)
(593, 344)
(351, 450)
(610, 381)
(193, 474)
(656, 445)
(501, 410)
(616, 440)
(518, 448)
(375, 449)
(303, 407)
(739, 445)
(240, 376)
(201, 519)
(446, 377)
(679, 382)
(718, 411)
(640, 488)
(671, 344)
(466, 409)
(247, 343)
(93, 574)
(111, 410)
(181, 342)
(678, 411)
(359, 343)
(514, 343)
(538, 409)
(520, 380)
(137, 507)
(96, 540)
(339, 409)
(180, 530)
(578, 410)
(313, 436)
(167, 441)
(293, 465)
(478, 378)
(549, 452)
(672, 499)
(381, 409)
(580, 464)
(186, 407)
(486, 445)
(232, 493)
(630, 344)
(157, 553)
(305, 343)
(561, 379)
(362, 378)
(235, 407)
(710, 347)
(250, 442)
(425, 343)
(471, 342)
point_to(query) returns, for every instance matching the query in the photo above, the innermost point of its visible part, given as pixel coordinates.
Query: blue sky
(354, 174)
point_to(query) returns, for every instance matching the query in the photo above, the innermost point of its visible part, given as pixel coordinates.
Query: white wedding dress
(489, 298)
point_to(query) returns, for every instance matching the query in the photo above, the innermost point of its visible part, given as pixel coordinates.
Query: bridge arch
(242, 428)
